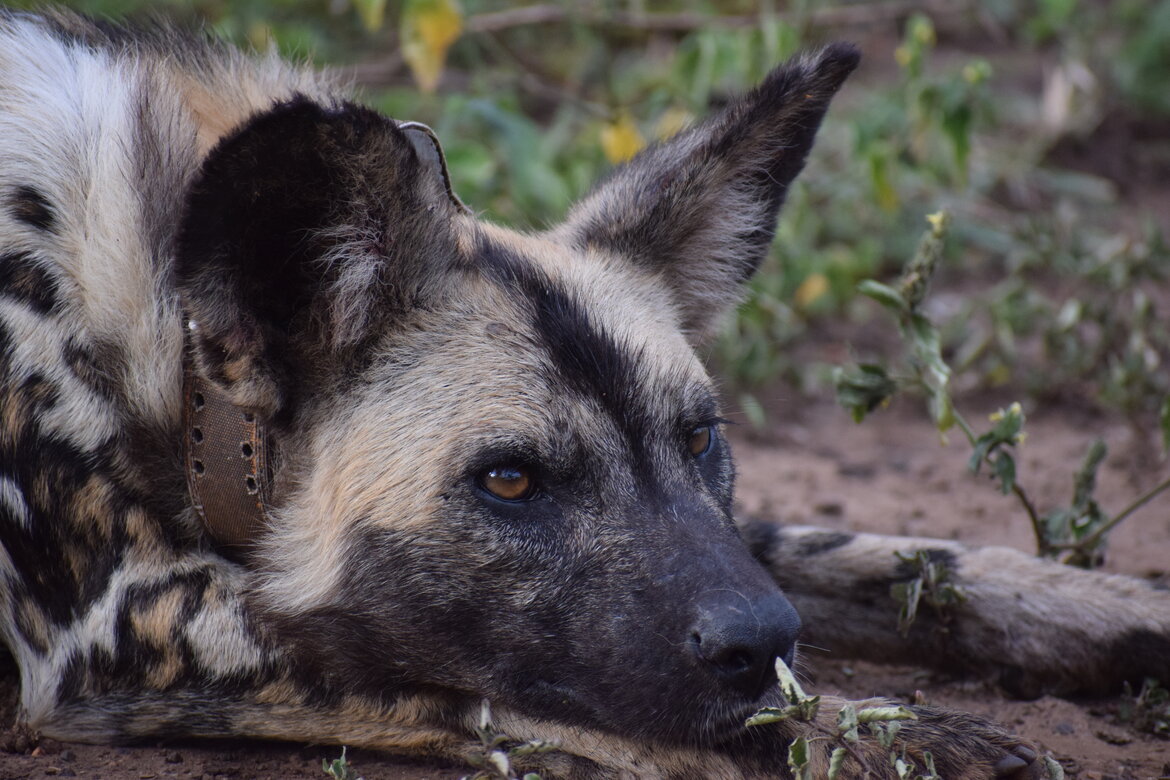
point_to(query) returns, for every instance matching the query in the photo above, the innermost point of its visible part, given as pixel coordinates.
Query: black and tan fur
(399, 349)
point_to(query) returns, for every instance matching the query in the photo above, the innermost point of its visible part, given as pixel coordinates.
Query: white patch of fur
(70, 120)
(37, 346)
(216, 634)
(355, 252)
(12, 500)
(68, 123)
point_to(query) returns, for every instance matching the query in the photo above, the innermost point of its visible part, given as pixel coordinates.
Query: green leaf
(942, 412)
(768, 715)
(886, 733)
(863, 388)
(498, 759)
(836, 762)
(798, 759)
(931, 772)
(885, 714)
(788, 684)
(847, 723)
(1005, 471)
(926, 347)
(1165, 417)
(884, 190)
(884, 294)
(372, 12)
(982, 446)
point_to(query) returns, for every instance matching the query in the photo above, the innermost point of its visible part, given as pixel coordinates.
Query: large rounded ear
(700, 209)
(304, 229)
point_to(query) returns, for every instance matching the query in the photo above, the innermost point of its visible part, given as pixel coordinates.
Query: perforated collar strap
(226, 458)
(226, 447)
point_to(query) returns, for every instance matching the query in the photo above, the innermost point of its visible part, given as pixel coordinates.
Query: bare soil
(813, 465)
(891, 475)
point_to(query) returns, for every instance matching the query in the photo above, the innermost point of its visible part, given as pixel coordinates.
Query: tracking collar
(226, 450)
(227, 459)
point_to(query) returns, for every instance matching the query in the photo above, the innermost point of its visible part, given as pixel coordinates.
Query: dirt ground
(891, 475)
(888, 475)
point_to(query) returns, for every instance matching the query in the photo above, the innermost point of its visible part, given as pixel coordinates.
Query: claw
(1026, 753)
(1009, 765)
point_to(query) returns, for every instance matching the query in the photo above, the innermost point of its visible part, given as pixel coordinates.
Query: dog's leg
(961, 746)
(1036, 625)
(168, 649)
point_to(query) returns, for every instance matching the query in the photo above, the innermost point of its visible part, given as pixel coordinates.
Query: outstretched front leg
(1034, 625)
(959, 747)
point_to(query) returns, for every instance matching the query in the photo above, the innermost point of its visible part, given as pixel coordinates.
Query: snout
(738, 638)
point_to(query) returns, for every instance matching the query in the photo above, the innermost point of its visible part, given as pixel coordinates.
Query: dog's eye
(701, 439)
(509, 483)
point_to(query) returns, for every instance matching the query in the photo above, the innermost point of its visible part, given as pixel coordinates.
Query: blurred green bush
(1007, 113)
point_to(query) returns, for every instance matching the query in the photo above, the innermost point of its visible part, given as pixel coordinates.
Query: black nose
(741, 637)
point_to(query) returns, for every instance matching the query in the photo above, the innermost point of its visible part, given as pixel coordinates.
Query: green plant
(339, 768)
(1075, 533)
(1148, 710)
(882, 722)
(901, 146)
(931, 585)
(495, 757)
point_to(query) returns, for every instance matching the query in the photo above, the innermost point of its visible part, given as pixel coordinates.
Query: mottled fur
(399, 349)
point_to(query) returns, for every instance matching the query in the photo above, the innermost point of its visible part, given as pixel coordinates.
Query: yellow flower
(620, 139)
(812, 289)
(429, 27)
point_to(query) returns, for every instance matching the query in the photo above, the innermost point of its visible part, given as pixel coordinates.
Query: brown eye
(510, 483)
(700, 440)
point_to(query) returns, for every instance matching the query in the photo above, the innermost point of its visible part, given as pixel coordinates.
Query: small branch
(385, 70)
(375, 73)
(1097, 535)
(841, 16)
(538, 81)
(1042, 545)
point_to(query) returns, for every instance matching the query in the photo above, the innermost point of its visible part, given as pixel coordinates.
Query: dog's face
(503, 470)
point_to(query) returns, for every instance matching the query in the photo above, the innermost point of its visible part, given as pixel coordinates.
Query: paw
(968, 747)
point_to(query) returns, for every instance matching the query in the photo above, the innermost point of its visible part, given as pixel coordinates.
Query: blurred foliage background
(1041, 126)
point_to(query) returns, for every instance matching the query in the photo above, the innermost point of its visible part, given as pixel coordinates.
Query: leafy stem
(1102, 530)
(1077, 532)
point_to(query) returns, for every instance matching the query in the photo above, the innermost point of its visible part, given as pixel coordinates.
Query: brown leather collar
(227, 460)
(226, 448)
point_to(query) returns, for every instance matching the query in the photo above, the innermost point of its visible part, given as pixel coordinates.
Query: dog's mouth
(703, 719)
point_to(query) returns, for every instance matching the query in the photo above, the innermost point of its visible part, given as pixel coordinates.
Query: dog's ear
(302, 227)
(699, 210)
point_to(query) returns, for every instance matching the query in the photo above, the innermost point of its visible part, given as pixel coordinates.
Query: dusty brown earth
(813, 465)
(891, 475)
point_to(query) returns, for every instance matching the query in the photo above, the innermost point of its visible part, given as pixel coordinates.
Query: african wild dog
(292, 446)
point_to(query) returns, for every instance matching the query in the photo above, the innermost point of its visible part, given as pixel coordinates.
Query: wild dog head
(501, 465)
